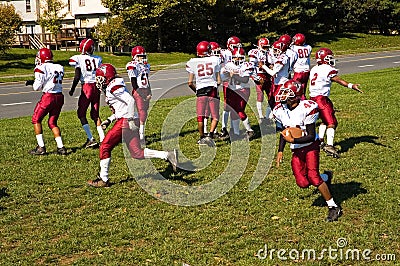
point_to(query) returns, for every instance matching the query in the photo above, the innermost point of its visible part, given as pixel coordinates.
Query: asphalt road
(18, 100)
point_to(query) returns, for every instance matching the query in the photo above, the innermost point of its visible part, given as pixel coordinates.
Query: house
(79, 18)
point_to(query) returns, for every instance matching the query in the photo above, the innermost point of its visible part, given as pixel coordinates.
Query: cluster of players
(281, 72)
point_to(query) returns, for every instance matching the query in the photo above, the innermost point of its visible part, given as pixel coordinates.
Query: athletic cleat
(224, 133)
(330, 176)
(143, 142)
(322, 145)
(38, 151)
(90, 144)
(98, 182)
(62, 151)
(330, 150)
(334, 213)
(250, 134)
(172, 157)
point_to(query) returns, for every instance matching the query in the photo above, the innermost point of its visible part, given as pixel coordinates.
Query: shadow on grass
(3, 194)
(17, 65)
(312, 39)
(347, 144)
(342, 192)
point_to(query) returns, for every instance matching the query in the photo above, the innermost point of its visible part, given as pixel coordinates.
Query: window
(81, 2)
(28, 5)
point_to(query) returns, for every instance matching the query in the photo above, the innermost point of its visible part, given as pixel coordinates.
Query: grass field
(49, 216)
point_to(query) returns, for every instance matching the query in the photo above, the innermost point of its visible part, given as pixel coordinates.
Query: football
(295, 131)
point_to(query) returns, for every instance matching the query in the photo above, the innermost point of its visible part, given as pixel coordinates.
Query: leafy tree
(10, 21)
(113, 33)
(52, 17)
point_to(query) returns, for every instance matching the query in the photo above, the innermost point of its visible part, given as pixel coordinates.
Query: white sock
(321, 131)
(330, 134)
(141, 131)
(205, 125)
(40, 141)
(225, 116)
(259, 109)
(235, 125)
(101, 133)
(246, 124)
(331, 203)
(59, 142)
(148, 153)
(89, 135)
(104, 166)
(324, 177)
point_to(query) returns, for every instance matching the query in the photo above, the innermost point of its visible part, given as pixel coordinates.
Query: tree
(112, 33)
(10, 21)
(52, 17)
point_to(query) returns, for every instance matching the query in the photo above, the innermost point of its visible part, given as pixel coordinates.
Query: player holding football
(122, 104)
(237, 73)
(260, 55)
(85, 71)
(48, 79)
(290, 112)
(321, 77)
(138, 72)
(204, 79)
(301, 68)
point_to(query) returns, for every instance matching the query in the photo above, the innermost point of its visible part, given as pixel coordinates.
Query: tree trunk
(159, 36)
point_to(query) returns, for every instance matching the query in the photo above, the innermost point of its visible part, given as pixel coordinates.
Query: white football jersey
(226, 55)
(119, 99)
(304, 114)
(139, 71)
(256, 56)
(320, 79)
(205, 70)
(246, 69)
(48, 77)
(292, 55)
(302, 63)
(281, 67)
(88, 65)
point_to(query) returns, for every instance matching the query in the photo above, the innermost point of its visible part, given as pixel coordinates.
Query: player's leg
(94, 98)
(83, 105)
(39, 113)
(54, 113)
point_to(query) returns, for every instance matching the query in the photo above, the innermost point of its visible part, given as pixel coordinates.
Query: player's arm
(309, 137)
(134, 84)
(190, 82)
(39, 79)
(281, 147)
(344, 83)
(76, 80)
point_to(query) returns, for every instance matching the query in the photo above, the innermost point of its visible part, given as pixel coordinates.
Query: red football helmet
(325, 56)
(290, 89)
(215, 49)
(233, 42)
(139, 54)
(86, 46)
(299, 39)
(285, 39)
(104, 74)
(238, 56)
(278, 48)
(43, 55)
(263, 44)
(203, 48)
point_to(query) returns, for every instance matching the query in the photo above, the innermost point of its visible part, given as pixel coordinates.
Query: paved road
(17, 100)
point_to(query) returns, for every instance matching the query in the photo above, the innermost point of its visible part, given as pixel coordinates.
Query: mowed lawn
(49, 216)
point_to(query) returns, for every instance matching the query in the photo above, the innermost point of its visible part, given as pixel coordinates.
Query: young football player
(122, 105)
(237, 73)
(321, 77)
(204, 79)
(85, 71)
(264, 84)
(291, 112)
(301, 68)
(48, 79)
(138, 72)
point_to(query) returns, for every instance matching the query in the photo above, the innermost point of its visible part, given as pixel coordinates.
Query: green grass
(48, 216)
(18, 64)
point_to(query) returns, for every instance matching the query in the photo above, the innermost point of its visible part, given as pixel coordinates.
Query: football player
(85, 65)
(292, 55)
(291, 111)
(237, 73)
(122, 105)
(301, 68)
(264, 84)
(232, 43)
(138, 72)
(204, 79)
(321, 77)
(48, 79)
